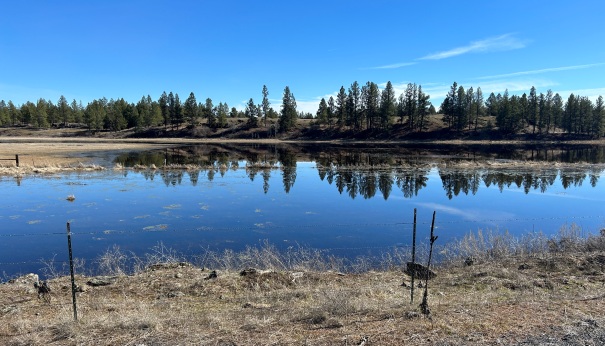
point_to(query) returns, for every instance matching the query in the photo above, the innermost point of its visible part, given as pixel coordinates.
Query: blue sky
(227, 50)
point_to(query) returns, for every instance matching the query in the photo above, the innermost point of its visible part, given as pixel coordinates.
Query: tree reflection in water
(363, 171)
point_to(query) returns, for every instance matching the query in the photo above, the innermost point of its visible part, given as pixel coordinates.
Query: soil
(550, 299)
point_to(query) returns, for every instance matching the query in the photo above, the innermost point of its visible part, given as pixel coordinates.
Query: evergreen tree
(252, 113)
(533, 108)
(222, 114)
(331, 111)
(410, 104)
(209, 113)
(388, 108)
(354, 106)
(265, 104)
(63, 110)
(598, 118)
(177, 116)
(322, 112)
(449, 106)
(461, 109)
(424, 105)
(14, 113)
(370, 103)
(40, 118)
(341, 107)
(190, 109)
(163, 103)
(76, 110)
(287, 121)
(479, 107)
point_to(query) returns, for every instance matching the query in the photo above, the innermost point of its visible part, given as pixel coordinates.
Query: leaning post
(413, 259)
(71, 269)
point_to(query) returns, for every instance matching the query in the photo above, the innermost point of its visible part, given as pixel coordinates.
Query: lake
(347, 200)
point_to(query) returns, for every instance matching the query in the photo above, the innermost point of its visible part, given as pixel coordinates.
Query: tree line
(538, 113)
(118, 114)
(359, 107)
(368, 107)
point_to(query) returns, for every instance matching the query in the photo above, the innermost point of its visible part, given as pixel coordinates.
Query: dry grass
(554, 294)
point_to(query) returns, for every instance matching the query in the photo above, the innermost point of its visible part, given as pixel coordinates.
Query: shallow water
(351, 201)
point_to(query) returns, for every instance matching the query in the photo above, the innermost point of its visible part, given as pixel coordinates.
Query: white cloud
(592, 93)
(393, 66)
(487, 216)
(492, 44)
(545, 70)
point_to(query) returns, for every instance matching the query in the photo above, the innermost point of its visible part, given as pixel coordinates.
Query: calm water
(350, 201)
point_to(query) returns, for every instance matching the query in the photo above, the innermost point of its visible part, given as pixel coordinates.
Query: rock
(178, 275)
(296, 275)
(524, 266)
(256, 305)
(249, 271)
(25, 279)
(419, 271)
(213, 275)
(469, 261)
(174, 294)
(101, 281)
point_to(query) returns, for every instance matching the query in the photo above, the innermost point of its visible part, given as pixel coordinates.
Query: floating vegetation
(33, 222)
(75, 183)
(156, 228)
(259, 225)
(204, 207)
(141, 216)
(173, 206)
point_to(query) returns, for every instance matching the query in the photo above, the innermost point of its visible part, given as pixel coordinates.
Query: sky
(227, 50)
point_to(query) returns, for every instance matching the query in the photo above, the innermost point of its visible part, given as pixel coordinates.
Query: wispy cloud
(492, 44)
(592, 93)
(485, 215)
(392, 66)
(544, 70)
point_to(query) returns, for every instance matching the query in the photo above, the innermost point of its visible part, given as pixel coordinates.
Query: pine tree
(163, 102)
(387, 105)
(252, 113)
(322, 112)
(190, 110)
(341, 107)
(266, 106)
(63, 110)
(423, 108)
(287, 121)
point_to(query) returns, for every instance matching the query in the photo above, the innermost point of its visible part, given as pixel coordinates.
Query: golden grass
(506, 300)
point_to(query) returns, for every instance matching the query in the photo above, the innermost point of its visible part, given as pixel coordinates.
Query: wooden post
(71, 269)
(413, 259)
(17, 159)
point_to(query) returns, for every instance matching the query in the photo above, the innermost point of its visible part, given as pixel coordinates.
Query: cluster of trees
(358, 108)
(543, 113)
(168, 110)
(368, 107)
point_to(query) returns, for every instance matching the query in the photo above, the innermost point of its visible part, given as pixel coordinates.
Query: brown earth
(551, 299)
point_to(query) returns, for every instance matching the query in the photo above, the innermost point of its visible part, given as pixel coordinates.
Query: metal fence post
(71, 269)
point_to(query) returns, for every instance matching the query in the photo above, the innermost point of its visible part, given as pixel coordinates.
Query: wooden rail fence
(16, 159)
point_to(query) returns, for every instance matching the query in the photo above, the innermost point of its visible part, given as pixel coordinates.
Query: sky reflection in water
(349, 202)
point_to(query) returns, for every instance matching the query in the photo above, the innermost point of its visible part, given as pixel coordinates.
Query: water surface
(350, 201)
